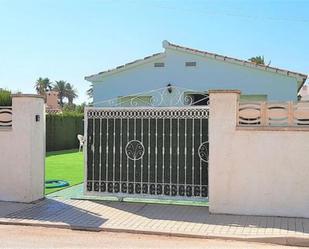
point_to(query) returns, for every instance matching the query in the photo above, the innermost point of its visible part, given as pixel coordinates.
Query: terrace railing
(273, 114)
(5, 116)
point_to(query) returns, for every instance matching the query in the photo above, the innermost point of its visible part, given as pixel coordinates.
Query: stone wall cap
(27, 96)
(224, 91)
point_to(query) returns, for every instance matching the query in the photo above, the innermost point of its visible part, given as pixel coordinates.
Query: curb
(278, 240)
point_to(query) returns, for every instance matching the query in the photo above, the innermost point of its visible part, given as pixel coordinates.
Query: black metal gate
(151, 152)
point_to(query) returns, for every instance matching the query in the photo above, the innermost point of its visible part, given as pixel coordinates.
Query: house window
(196, 99)
(191, 64)
(159, 64)
(127, 101)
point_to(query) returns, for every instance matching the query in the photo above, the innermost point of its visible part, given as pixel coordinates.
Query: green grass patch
(68, 165)
(65, 165)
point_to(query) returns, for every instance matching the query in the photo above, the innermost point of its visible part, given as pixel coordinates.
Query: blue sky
(67, 40)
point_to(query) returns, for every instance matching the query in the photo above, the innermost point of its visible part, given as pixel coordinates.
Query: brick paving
(177, 220)
(10, 207)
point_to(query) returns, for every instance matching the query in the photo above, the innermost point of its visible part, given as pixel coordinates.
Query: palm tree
(90, 92)
(258, 60)
(60, 87)
(71, 93)
(43, 85)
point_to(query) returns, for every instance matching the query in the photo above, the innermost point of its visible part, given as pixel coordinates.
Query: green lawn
(68, 165)
(64, 165)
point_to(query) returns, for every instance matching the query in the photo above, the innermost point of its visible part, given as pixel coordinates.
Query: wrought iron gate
(151, 152)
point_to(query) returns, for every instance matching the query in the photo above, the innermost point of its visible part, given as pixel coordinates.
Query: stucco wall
(252, 171)
(208, 74)
(22, 149)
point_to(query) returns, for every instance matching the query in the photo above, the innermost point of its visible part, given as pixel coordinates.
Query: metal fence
(153, 152)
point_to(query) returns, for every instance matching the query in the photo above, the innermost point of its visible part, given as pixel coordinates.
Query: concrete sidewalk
(185, 221)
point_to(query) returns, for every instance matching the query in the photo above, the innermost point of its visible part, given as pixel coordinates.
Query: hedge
(62, 131)
(5, 97)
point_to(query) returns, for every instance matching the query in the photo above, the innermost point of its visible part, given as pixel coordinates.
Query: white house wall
(208, 74)
(142, 78)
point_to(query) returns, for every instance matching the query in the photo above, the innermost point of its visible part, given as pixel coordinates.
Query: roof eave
(299, 76)
(301, 84)
(147, 59)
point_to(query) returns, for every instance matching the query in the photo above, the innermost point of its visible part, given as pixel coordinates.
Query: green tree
(90, 92)
(60, 87)
(42, 85)
(72, 108)
(258, 60)
(71, 93)
(68, 107)
(80, 108)
(5, 97)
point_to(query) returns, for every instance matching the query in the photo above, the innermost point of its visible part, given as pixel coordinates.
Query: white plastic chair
(81, 140)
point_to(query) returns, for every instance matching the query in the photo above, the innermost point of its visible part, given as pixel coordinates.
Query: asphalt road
(37, 237)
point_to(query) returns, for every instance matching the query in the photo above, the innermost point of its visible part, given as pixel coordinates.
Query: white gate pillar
(222, 124)
(22, 148)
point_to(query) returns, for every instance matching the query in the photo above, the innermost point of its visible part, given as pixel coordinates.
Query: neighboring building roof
(301, 78)
(52, 100)
(53, 111)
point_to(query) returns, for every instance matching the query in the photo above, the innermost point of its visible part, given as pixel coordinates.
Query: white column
(23, 151)
(222, 124)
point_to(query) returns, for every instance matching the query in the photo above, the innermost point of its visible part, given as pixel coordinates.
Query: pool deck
(159, 219)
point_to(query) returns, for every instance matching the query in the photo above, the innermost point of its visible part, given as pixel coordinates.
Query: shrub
(62, 131)
(5, 97)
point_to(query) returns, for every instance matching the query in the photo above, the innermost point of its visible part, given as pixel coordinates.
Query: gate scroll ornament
(134, 150)
(203, 151)
(163, 97)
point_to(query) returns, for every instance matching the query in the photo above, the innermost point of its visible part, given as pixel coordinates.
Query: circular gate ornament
(203, 151)
(134, 150)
